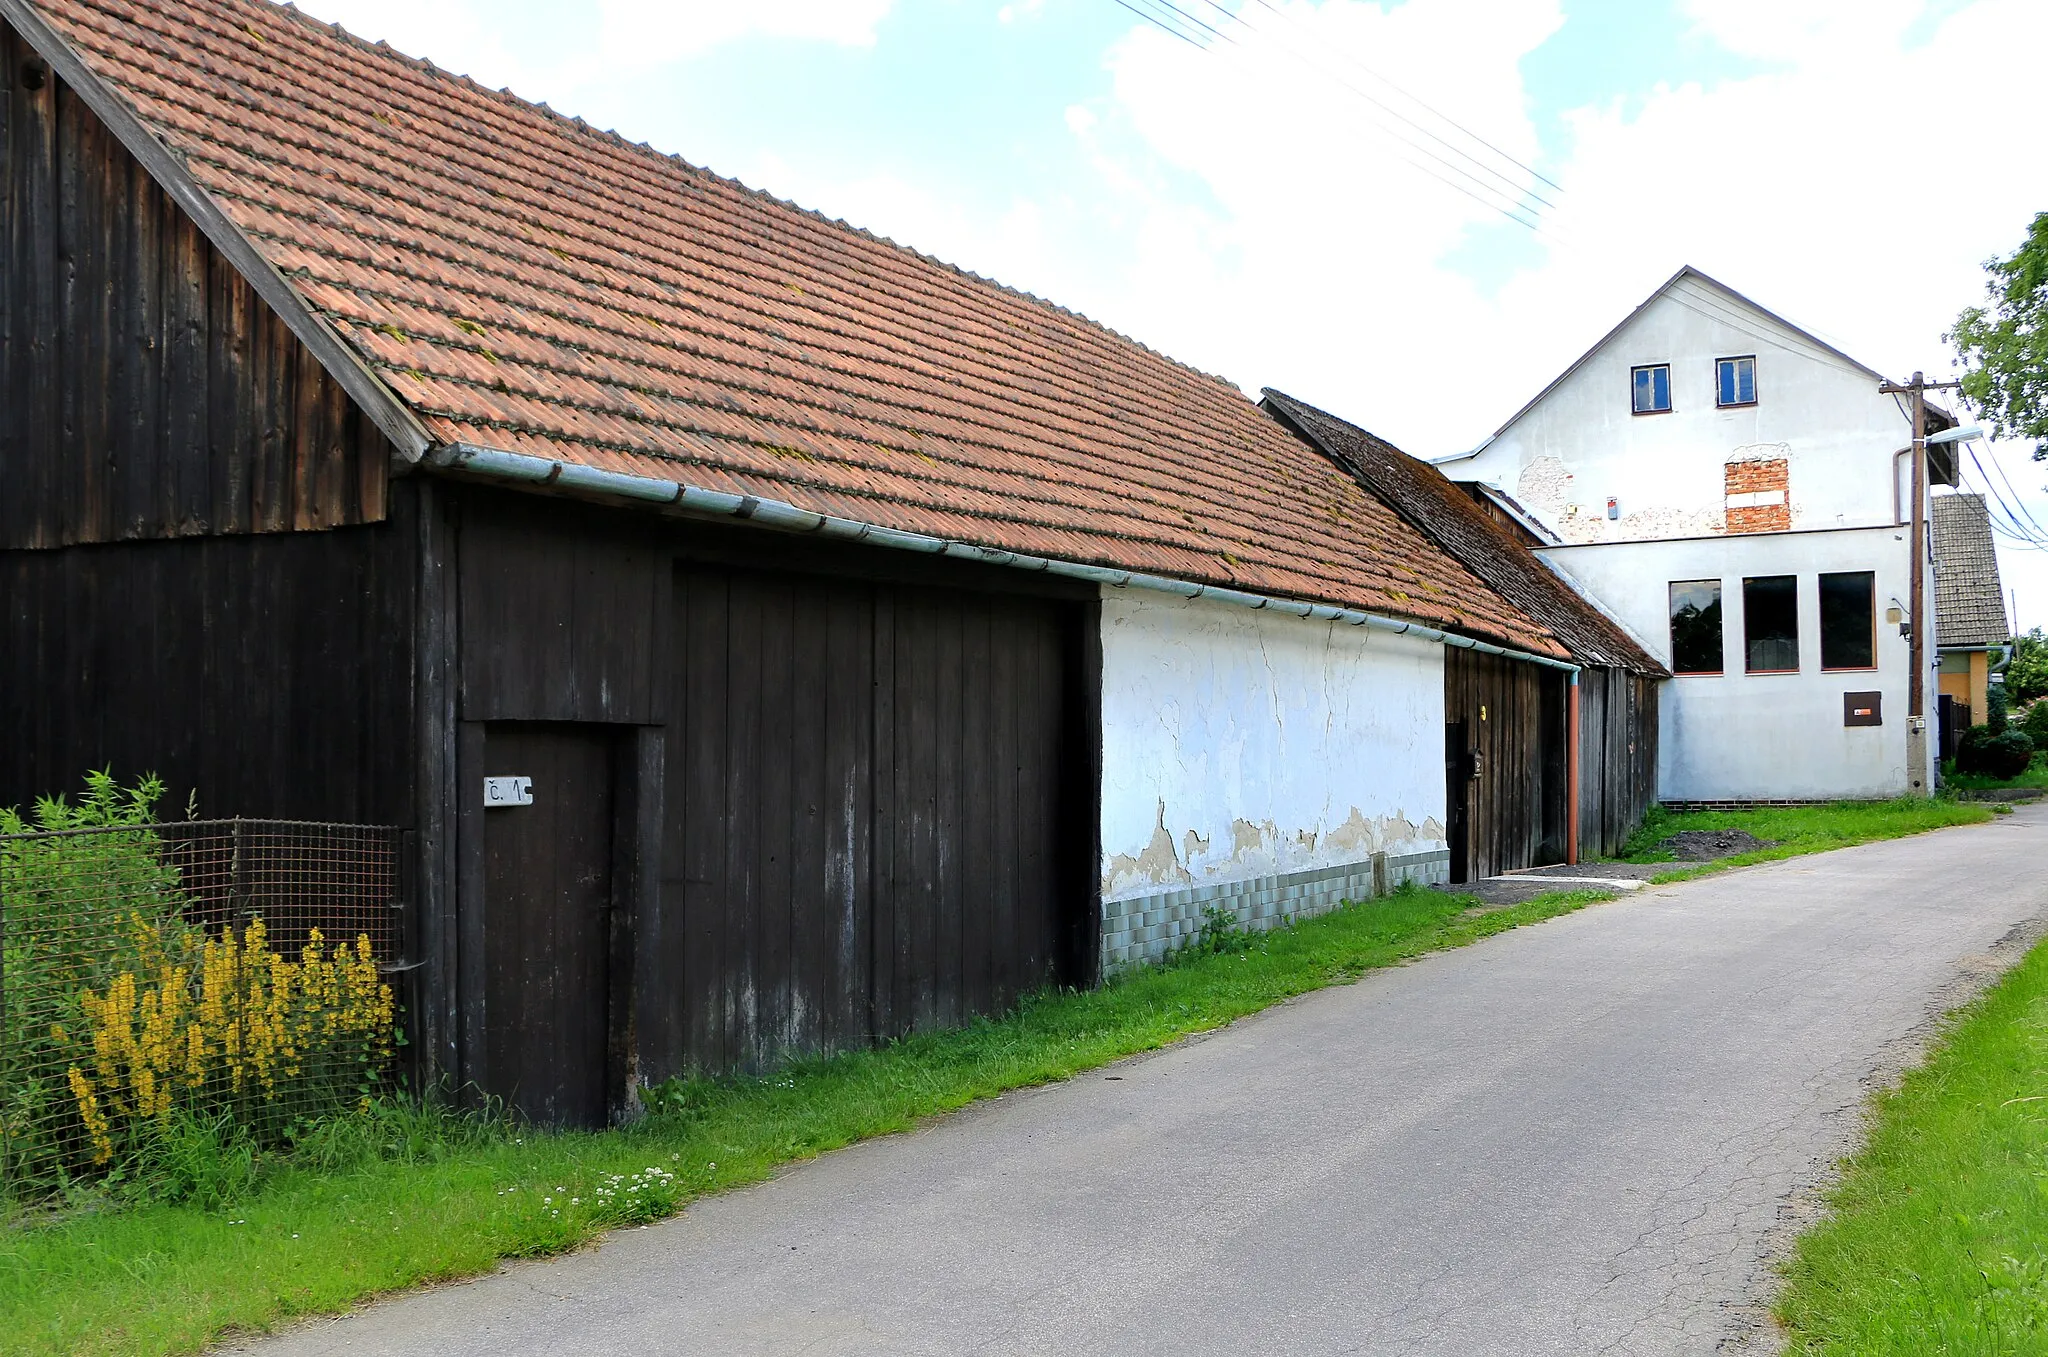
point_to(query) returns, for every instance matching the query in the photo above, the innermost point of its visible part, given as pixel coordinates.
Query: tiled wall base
(1147, 927)
(1738, 803)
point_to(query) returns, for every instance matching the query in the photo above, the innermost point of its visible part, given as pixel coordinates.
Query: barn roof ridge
(1426, 498)
(859, 353)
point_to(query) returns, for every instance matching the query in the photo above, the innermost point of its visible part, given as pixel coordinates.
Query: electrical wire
(1521, 189)
(2019, 524)
(1159, 24)
(1486, 195)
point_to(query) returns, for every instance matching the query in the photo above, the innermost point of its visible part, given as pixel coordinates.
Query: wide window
(1735, 381)
(1770, 624)
(1696, 627)
(1848, 620)
(1652, 387)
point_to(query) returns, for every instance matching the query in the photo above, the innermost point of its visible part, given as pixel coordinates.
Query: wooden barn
(767, 639)
(1518, 736)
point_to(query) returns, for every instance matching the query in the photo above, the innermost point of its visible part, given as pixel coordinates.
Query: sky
(1412, 212)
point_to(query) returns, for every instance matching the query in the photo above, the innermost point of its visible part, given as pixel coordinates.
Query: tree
(2004, 345)
(2026, 678)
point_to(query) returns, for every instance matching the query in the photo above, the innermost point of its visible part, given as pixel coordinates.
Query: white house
(1735, 490)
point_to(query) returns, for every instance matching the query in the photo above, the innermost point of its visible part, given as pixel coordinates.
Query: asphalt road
(1587, 1136)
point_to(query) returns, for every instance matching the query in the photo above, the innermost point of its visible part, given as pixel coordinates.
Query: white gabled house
(1736, 491)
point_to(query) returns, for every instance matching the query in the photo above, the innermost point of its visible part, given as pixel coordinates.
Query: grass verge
(1798, 830)
(311, 1240)
(1938, 1237)
(2036, 775)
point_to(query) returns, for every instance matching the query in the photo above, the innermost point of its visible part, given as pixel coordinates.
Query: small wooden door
(547, 926)
(1458, 798)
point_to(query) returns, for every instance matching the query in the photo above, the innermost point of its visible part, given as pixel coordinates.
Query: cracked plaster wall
(1241, 744)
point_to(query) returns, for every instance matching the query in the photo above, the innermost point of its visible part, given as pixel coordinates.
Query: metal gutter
(522, 469)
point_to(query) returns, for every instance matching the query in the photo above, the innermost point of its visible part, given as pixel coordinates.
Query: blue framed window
(1652, 389)
(1735, 381)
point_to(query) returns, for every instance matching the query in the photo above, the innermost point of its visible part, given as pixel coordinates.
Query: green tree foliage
(2004, 345)
(2026, 678)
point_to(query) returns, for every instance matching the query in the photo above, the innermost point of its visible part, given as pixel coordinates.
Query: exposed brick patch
(1761, 518)
(1759, 494)
(1748, 477)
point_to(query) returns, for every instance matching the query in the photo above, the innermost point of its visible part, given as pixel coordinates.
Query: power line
(2029, 531)
(1512, 211)
(1521, 190)
(1433, 112)
(1159, 24)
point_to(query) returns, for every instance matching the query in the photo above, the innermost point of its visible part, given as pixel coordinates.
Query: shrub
(1997, 708)
(1999, 756)
(2035, 723)
(143, 1048)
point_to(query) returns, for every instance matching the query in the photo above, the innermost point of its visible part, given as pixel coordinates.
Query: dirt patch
(1705, 845)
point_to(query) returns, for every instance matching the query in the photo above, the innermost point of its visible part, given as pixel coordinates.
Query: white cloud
(649, 32)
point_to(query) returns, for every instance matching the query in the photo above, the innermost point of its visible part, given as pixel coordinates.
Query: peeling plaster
(1155, 867)
(1261, 744)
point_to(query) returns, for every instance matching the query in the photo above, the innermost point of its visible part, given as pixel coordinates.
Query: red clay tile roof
(528, 283)
(1426, 497)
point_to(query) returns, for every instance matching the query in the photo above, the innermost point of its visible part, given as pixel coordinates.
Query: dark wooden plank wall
(561, 613)
(147, 392)
(1617, 756)
(271, 676)
(866, 784)
(1516, 806)
(864, 832)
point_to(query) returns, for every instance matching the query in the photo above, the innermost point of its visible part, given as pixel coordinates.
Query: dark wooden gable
(145, 390)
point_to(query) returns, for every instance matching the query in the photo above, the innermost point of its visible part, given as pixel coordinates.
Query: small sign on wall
(1862, 709)
(508, 791)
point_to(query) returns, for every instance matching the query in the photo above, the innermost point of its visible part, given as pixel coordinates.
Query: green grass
(2036, 775)
(154, 1279)
(1798, 830)
(1937, 1241)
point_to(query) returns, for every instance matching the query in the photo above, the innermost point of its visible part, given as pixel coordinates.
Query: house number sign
(508, 791)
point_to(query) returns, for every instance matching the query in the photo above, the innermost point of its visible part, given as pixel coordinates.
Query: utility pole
(1916, 699)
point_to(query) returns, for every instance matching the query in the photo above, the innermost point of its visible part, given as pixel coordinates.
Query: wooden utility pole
(1916, 700)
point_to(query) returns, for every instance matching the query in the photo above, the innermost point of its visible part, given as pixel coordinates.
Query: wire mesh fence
(212, 972)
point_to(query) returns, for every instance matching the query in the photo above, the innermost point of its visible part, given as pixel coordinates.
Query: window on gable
(1848, 620)
(1770, 624)
(1652, 388)
(1696, 626)
(1735, 381)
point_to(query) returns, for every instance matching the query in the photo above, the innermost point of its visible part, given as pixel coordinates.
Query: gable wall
(147, 392)
(1826, 423)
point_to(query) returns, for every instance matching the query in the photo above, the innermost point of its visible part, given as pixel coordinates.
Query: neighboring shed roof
(1439, 507)
(1969, 601)
(525, 282)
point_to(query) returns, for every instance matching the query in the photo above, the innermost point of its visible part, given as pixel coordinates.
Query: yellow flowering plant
(123, 1017)
(213, 1023)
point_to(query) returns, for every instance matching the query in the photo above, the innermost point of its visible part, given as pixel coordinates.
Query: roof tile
(526, 282)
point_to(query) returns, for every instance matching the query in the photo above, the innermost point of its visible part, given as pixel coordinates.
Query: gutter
(520, 469)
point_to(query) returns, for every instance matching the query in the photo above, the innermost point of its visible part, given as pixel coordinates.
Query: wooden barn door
(546, 926)
(864, 802)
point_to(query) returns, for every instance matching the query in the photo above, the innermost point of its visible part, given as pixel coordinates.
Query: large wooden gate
(865, 794)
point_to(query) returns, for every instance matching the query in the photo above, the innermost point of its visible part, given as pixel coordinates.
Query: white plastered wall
(1241, 744)
(1742, 736)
